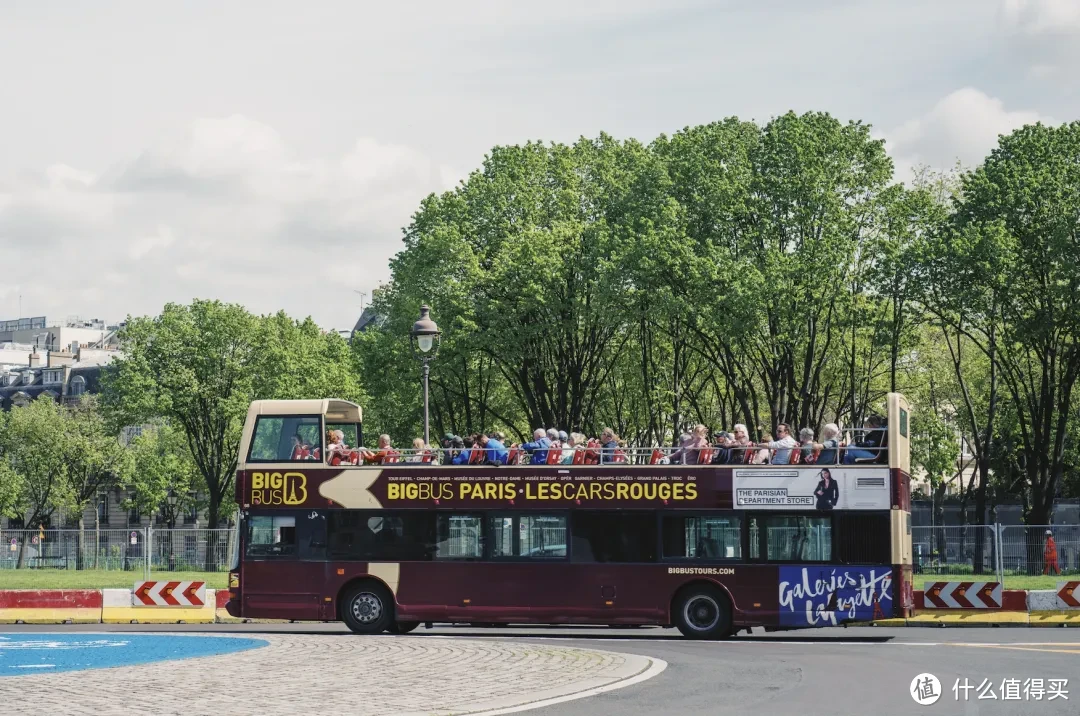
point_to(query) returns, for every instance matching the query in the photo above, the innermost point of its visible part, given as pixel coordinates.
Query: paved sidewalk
(335, 674)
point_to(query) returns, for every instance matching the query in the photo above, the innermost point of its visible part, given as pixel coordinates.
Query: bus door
(284, 567)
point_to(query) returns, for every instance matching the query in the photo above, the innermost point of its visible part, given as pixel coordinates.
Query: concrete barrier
(50, 606)
(116, 608)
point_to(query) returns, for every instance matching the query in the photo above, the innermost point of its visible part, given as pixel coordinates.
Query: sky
(270, 153)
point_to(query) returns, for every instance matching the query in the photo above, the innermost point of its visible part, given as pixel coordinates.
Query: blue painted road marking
(24, 653)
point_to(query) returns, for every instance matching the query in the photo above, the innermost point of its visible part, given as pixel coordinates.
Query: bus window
(285, 439)
(380, 536)
(702, 537)
(459, 537)
(271, 536)
(792, 538)
(530, 536)
(613, 537)
(349, 431)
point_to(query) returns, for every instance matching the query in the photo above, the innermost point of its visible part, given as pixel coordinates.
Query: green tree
(197, 367)
(200, 366)
(33, 444)
(1008, 278)
(94, 459)
(162, 467)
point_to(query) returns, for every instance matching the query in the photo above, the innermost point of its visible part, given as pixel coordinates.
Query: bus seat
(705, 456)
(657, 456)
(796, 456)
(579, 457)
(476, 455)
(554, 453)
(513, 455)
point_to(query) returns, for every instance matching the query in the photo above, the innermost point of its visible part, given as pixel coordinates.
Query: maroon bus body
(523, 592)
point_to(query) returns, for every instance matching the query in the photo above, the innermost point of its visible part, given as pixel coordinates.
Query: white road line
(655, 668)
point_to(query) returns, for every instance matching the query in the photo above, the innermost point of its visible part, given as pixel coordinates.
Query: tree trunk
(211, 539)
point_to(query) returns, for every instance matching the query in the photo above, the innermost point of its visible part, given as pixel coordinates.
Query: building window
(134, 517)
(103, 509)
(78, 385)
(191, 514)
(54, 376)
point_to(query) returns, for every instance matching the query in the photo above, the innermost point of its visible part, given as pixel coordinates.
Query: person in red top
(1050, 560)
(384, 453)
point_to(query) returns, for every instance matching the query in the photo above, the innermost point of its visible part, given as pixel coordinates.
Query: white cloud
(224, 209)
(1040, 17)
(1045, 34)
(963, 126)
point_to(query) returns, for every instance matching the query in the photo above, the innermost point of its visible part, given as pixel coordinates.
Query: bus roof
(333, 408)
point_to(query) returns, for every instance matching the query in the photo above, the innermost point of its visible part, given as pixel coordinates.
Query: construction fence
(997, 551)
(145, 550)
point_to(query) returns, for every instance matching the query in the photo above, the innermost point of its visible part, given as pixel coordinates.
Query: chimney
(60, 358)
(35, 360)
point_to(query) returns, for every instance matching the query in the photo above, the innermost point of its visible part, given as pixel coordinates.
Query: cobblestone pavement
(333, 674)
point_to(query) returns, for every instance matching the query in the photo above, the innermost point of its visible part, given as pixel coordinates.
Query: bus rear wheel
(702, 612)
(367, 608)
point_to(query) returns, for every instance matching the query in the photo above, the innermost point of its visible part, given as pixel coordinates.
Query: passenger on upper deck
(873, 438)
(464, 455)
(300, 449)
(418, 451)
(538, 448)
(385, 450)
(721, 447)
(807, 452)
(690, 451)
(740, 443)
(782, 446)
(829, 447)
(334, 444)
(571, 443)
(609, 446)
(496, 451)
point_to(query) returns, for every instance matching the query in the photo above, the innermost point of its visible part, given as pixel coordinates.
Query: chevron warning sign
(1068, 595)
(169, 594)
(962, 595)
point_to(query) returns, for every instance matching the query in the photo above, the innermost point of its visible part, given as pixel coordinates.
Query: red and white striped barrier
(169, 594)
(962, 595)
(1068, 595)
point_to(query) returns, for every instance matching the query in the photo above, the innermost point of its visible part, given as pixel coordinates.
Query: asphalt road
(830, 671)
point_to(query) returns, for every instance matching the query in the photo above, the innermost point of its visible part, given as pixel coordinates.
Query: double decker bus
(710, 549)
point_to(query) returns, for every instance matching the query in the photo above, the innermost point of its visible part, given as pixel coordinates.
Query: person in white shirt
(782, 446)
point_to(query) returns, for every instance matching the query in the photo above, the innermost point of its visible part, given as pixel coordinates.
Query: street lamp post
(172, 498)
(425, 338)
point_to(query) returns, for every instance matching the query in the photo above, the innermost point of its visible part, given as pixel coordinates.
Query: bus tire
(403, 627)
(367, 608)
(702, 612)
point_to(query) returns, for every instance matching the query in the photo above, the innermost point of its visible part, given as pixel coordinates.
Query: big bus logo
(276, 488)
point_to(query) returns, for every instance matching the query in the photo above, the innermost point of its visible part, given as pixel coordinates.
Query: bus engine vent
(869, 482)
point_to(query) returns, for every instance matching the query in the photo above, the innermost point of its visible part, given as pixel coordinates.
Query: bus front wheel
(367, 608)
(702, 612)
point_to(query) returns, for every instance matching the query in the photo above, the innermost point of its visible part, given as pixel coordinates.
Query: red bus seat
(705, 456)
(513, 455)
(579, 456)
(554, 453)
(657, 456)
(796, 457)
(476, 455)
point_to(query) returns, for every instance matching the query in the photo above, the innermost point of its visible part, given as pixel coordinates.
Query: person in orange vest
(1050, 560)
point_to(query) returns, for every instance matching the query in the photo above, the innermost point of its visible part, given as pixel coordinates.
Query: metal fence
(995, 551)
(144, 550)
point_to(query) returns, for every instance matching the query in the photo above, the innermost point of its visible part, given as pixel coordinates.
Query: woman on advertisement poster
(828, 494)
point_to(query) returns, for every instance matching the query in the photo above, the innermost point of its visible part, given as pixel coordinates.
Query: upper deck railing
(848, 452)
